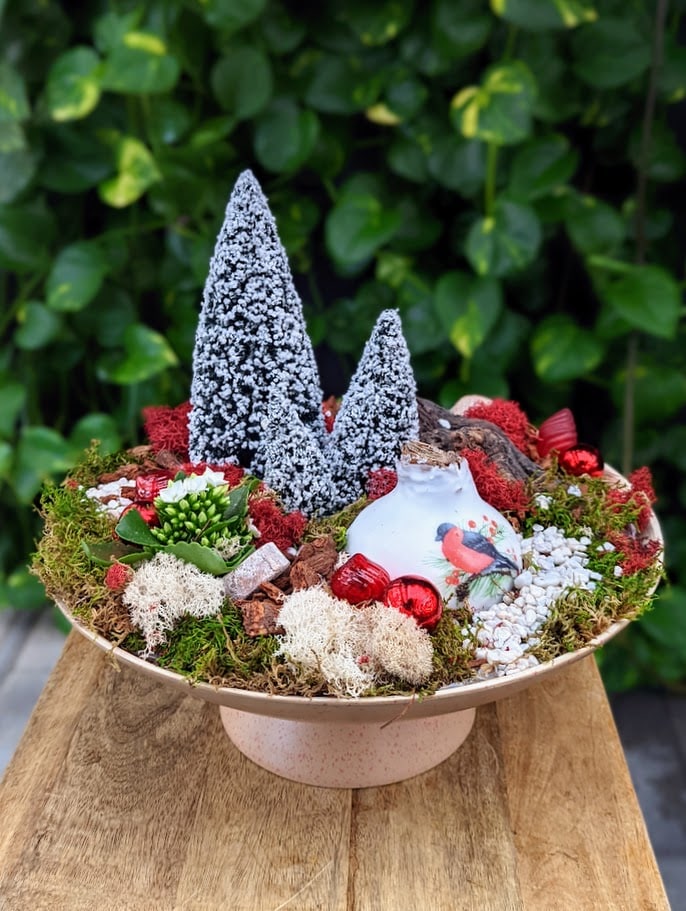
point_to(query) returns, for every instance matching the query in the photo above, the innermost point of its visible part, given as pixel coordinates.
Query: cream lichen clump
(165, 589)
(352, 647)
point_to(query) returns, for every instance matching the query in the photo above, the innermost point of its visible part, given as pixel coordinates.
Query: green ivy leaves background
(507, 175)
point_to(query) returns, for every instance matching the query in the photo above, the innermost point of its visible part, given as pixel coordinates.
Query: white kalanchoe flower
(177, 490)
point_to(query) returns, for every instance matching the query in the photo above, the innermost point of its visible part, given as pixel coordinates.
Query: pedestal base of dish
(349, 754)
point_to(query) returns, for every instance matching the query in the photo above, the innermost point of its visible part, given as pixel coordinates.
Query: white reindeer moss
(378, 413)
(163, 590)
(352, 647)
(251, 337)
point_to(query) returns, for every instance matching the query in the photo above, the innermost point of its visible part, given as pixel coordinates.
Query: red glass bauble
(359, 579)
(417, 597)
(558, 432)
(148, 513)
(582, 460)
(148, 486)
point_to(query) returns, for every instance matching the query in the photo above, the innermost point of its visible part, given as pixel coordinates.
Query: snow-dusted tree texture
(294, 464)
(251, 338)
(378, 412)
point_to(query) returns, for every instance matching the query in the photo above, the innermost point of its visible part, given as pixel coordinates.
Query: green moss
(216, 649)
(336, 525)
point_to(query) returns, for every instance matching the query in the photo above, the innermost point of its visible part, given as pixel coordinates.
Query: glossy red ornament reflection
(359, 579)
(416, 597)
(582, 460)
(149, 513)
(558, 432)
(148, 486)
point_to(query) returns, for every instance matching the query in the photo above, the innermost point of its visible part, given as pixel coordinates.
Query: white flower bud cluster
(504, 632)
(175, 491)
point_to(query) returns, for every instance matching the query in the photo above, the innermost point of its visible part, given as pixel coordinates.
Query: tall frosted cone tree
(251, 338)
(294, 464)
(378, 413)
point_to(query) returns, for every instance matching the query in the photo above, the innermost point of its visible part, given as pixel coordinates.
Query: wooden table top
(124, 794)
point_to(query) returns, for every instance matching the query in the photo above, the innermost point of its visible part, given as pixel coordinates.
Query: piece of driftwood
(453, 432)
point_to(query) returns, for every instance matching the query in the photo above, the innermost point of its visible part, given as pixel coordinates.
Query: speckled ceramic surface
(347, 754)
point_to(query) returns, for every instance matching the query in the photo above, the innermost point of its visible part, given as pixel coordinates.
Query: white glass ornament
(434, 524)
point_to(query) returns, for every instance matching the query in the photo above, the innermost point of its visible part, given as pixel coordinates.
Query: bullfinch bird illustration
(471, 552)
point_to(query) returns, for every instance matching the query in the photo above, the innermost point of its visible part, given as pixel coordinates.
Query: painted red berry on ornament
(582, 460)
(416, 597)
(359, 579)
(558, 432)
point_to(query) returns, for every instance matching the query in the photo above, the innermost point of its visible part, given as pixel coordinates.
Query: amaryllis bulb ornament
(434, 524)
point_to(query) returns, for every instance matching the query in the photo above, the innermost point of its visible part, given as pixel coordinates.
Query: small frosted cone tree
(251, 338)
(294, 464)
(378, 413)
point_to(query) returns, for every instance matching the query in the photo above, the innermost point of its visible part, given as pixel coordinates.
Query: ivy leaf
(609, 53)
(593, 225)
(459, 30)
(72, 90)
(537, 15)
(541, 166)
(357, 226)
(285, 136)
(563, 351)
(380, 22)
(647, 297)
(504, 243)
(95, 426)
(458, 164)
(76, 276)
(147, 354)
(17, 168)
(342, 85)
(132, 527)
(468, 308)
(12, 400)
(37, 326)
(26, 231)
(14, 99)
(140, 65)
(41, 453)
(242, 82)
(500, 109)
(659, 393)
(231, 15)
(137, 170)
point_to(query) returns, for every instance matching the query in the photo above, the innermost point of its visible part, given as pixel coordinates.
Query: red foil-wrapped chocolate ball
(417, 597)
(359, 579)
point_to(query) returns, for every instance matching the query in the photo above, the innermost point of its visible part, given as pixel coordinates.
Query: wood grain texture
(580, 837)
(125, 794)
